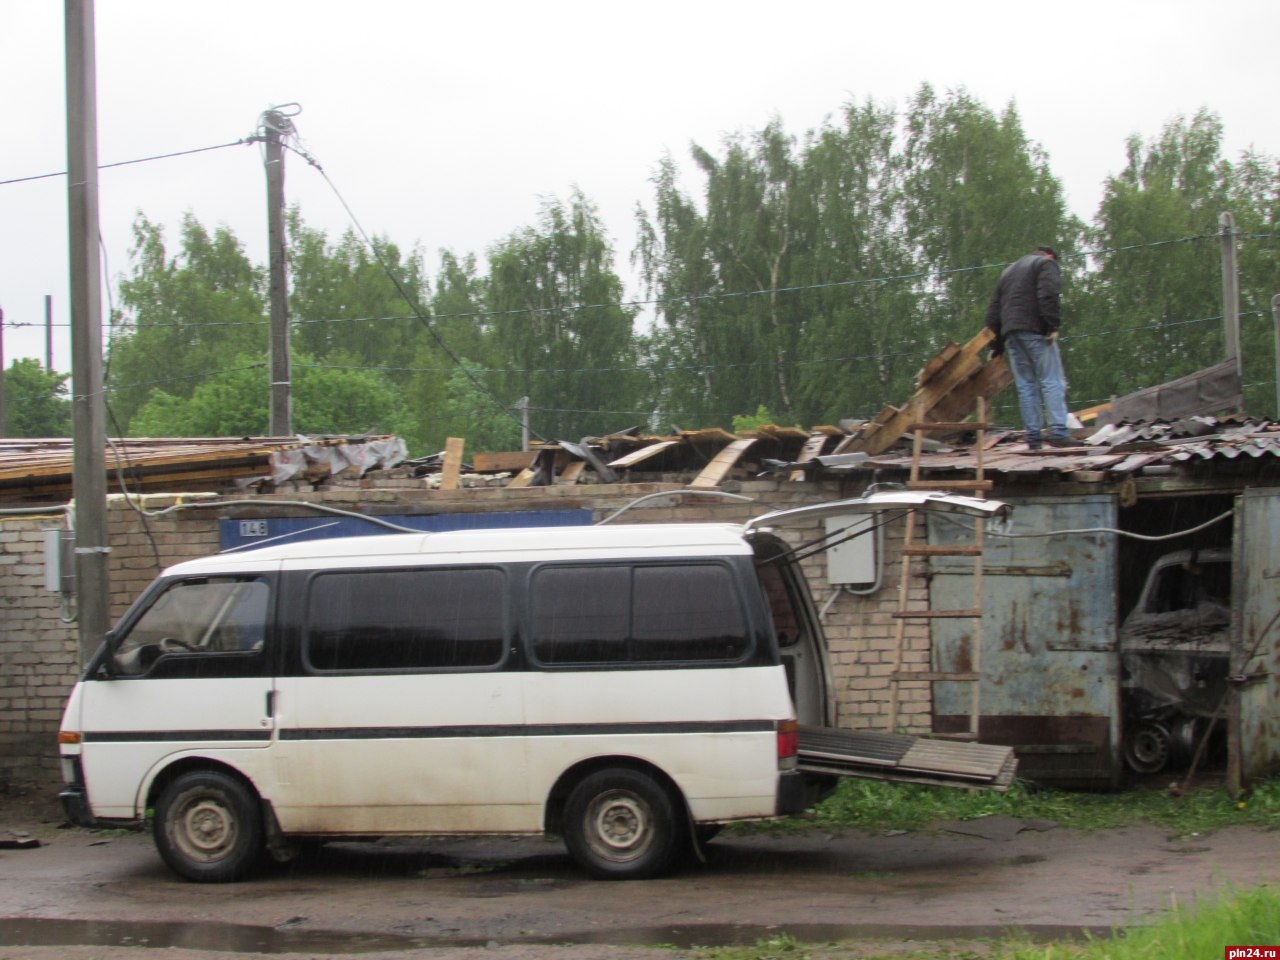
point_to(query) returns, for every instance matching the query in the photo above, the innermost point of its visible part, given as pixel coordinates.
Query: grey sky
(444, 123)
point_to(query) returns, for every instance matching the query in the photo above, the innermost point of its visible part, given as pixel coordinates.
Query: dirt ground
(105, 894)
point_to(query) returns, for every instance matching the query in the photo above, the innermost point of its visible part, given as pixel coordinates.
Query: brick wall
(39, 661)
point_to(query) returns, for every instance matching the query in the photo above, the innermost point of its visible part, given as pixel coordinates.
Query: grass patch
(873, 805)
(1248, 917)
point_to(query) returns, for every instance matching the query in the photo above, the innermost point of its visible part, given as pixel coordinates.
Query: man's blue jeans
(1042, 387)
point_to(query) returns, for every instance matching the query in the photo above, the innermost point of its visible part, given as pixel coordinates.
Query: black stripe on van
(173, 736)
(528, 730)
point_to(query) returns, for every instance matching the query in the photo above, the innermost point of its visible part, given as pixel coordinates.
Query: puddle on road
(37, 932)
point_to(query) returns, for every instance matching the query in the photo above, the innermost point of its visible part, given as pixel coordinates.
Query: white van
(627, 687)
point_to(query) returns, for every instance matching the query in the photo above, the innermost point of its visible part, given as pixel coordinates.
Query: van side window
(405, 619)
(204, 615)
(636, 614)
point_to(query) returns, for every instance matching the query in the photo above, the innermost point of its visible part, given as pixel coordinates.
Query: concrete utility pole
(48, 333)
(93, 589)
(1275, 316)
(3, 432)
(1230, 292)
(523, 406)
(275, 126)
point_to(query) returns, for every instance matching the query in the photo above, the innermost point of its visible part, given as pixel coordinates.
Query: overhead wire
(124, 163)
(408, 298)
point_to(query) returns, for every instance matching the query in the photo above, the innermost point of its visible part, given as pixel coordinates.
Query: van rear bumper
(798, 791)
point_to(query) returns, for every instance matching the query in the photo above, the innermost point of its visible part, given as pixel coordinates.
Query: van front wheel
(620, 825)
(207, 827)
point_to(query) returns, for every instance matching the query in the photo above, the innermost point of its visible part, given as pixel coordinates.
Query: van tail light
(788, 740)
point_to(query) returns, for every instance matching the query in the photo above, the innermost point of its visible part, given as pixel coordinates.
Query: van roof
(656, 539)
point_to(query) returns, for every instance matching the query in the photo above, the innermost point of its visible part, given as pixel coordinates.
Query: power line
(411, 301)
(622, 304)
(125, 163)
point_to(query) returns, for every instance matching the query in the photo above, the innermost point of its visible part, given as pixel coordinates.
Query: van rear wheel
(207, 827)
(621, 825)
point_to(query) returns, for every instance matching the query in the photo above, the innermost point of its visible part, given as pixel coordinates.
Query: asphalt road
(107, 895)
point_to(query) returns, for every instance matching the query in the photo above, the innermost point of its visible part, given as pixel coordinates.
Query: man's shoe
(1061, 441)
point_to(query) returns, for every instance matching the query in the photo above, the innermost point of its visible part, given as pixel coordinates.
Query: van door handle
(271, 703)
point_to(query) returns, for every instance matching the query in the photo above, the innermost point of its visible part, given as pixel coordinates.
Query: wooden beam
(644, 453)
(569, 475)
(523, 478)
(452, 463)
(721, 464)
(509, 460)
(962, 365)
(994, 377)
(812, 447)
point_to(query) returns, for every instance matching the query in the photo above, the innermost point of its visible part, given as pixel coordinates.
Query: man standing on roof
(1025, 315)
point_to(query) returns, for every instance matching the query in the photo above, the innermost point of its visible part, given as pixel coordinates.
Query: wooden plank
(852, 441)
(569, 475)
(812, 447)
(644, 453)
(721, 464)
(963, 364)
(507, 460)
(936, 363)
(452, 463)
(1089, 414)
(951, 484)
(523, 478)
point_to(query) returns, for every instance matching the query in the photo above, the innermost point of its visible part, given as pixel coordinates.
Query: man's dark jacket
(1027, 297)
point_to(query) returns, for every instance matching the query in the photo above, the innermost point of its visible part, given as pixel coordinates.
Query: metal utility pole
(275, 126)
(1230, 292)
(93, 589)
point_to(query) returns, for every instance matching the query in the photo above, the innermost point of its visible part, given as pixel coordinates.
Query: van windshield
(200, 615)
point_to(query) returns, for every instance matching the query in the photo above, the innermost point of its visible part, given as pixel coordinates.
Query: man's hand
(1053, 337)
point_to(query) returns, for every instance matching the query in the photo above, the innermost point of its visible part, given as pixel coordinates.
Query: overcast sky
(443, 124)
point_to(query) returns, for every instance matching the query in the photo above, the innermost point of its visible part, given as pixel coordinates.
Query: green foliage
(1248, 916)
(761, 418)
(236, 403)
(342, 300)
(872, 805)
(35, 401)
(807, 278)
(816, 278)
(182, 315)
(468, 412)
(560, 328)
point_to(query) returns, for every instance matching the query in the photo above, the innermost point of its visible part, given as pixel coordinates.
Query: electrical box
(60, 561)
(852, 561)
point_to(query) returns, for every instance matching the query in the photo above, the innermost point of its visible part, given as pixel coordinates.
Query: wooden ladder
(911, 549)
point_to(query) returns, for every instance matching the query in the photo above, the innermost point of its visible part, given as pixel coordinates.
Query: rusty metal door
(1255, 720)
(1050, 682)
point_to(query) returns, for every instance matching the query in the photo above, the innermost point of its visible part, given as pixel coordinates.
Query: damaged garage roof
(40, 470)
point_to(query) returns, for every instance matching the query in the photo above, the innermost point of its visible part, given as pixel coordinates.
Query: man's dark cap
(1049, 250)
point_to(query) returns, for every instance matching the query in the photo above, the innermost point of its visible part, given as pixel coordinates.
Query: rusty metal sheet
(1256, 657)
(1049, 620)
